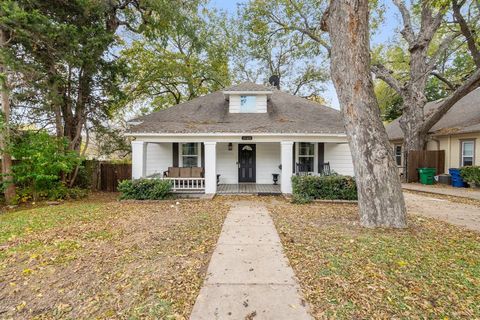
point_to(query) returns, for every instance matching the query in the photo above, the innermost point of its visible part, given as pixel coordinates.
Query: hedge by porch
(333, 187)
(145, 189)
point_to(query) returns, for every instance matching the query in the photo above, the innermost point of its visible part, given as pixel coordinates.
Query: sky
(386, 33)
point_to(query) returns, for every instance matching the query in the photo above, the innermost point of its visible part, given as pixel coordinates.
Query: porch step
(249, 188)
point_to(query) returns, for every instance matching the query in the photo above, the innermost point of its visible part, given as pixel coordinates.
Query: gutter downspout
(449, 160)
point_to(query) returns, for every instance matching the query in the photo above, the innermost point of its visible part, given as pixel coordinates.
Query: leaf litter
(132, 261)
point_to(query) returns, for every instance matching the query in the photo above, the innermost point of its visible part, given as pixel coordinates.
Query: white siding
(234, 105)
(227, 163)
(261, 103)
(159, 157)
(340, 158)
(268, 160)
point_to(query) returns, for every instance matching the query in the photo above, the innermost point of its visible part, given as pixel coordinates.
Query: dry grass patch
(101, 258)
(429, 270)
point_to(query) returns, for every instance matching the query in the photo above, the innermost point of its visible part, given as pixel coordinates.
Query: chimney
(274, 81)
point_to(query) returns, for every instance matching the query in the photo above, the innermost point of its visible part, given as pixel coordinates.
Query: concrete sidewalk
(249, 276)
(444, 190)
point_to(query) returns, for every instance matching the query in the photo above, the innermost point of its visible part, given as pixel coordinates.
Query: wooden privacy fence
(110, 174)
(424, 159)
(101, 175)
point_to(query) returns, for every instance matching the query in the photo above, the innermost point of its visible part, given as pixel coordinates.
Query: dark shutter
(321, 155)
(202, 148)
(293, 160)
(175, 154)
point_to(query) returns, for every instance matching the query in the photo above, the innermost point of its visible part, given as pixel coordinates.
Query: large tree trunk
(411, 123)
(5, 135)
(379, 190)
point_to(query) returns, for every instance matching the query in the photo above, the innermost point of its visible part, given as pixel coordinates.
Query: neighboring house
(244, 134)
(458, 133)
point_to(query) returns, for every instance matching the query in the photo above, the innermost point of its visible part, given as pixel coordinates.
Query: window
(190, 155)
(306, 156)
(398, 154)
(248, 104)
(467, 153)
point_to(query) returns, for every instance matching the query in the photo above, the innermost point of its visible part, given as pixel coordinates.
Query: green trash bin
(427, 175)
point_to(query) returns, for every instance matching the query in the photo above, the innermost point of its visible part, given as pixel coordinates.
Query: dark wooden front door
(246, 163)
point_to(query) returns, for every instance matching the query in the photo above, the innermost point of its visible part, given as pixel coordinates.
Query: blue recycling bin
(457, 180)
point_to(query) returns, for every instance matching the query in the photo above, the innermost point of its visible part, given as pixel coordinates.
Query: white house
(243, 136)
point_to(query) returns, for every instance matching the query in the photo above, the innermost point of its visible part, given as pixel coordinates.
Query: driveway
(464, 215)
(444, 190)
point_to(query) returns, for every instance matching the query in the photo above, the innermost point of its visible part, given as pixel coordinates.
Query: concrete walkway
(249, 276)
(445, 190)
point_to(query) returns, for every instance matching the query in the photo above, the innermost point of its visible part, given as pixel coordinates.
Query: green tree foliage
(65, 58)
(450, 73)
(190, 59)
(389, 101)
(263, 49)
(40, 162)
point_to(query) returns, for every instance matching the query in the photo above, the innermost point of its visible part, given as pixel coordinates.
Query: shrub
(334, 187)
(145, 189)
(471, 174)
(41, 160)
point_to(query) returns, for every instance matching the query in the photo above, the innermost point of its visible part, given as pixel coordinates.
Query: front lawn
(430, 270)
(100, 258)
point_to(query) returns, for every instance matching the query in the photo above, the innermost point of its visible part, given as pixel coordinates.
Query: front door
(246, 163)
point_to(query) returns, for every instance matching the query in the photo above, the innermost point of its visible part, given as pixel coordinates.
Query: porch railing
(187, 184)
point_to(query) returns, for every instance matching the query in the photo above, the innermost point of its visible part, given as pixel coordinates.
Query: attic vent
(274, 80)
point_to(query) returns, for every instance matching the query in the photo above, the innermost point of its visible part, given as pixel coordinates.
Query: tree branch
(429, 23)
(381, 72)
(442, 48)
(444, 80)
(469, 36)
(310, 32)
(471, 84)
(407, 31)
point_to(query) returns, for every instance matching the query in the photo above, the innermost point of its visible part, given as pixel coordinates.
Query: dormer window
(248, 104)
(247, 97)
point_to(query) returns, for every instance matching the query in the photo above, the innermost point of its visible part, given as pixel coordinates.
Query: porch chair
(301, 169)
(324, 169)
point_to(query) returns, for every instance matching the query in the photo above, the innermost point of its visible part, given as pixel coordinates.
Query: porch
(249, 188)
(243, 166)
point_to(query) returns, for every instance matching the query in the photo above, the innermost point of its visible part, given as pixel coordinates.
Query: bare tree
(380, 194)
(5, 134)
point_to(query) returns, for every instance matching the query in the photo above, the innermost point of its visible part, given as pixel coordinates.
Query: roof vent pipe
(274, 81)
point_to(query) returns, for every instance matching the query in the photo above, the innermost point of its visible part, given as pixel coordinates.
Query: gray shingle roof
(210, 114)
(248, 86)
(463, 117)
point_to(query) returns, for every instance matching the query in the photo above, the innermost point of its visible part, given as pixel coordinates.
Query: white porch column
(139, 159)
(210, 167)
(287, 165)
